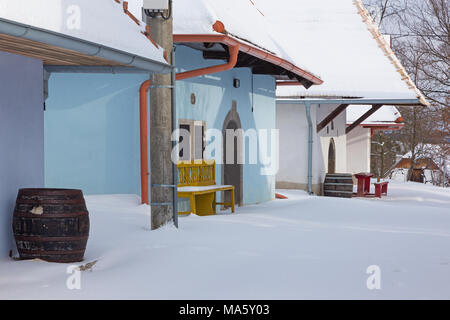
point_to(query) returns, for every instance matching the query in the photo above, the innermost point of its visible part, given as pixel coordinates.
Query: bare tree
(425, 47)
(383, 11)
(420, 30)
(425, 52)
(384, 152)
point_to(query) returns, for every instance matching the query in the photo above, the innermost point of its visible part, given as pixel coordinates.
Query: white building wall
(293, 125)
(336, 131)
(358, 150)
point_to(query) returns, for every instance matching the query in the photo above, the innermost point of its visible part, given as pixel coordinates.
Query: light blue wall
(92, 133)
(21, 135)
(214, 97)
(92, 124)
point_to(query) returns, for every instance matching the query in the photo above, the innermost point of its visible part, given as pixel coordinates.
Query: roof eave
(350, 101)
(28, 32)
(251, 50)
(381, 126)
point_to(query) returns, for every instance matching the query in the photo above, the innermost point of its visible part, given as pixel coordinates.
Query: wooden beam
(374, 109)
(50, 55)
(331, 116)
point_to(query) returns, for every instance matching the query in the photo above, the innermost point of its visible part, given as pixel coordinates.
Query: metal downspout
(143, 126)
(310, 146)
(234, 53)
(174, 126)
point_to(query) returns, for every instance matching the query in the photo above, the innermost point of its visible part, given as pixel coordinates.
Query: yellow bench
(197, 182)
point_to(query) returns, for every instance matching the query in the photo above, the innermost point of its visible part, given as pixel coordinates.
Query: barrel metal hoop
(337, 191)
(18, 214)
(44, 202)
(50, 192)
(49, 239)
(44, 252)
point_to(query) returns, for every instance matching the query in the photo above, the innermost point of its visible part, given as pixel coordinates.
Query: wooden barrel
(51, 224)
(338, 185)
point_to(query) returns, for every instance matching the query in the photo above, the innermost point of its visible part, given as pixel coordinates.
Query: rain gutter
(27, 32)
(258, 53)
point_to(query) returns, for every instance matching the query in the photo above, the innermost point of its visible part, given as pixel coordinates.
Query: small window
(184, 153)
(194, 147)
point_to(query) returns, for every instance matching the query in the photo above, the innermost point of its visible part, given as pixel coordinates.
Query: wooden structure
(364, 186)
(50, 54)
(338, 185)
(363, 183)
(51, 224)
(381, 188)
(421, 165)
(197, 182)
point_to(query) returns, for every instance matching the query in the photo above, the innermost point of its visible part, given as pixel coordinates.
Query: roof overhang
(56, 49)
(376, 104)
(370, 66)
(94, 69)
(306, 78)
(351, 101)
(381, 126)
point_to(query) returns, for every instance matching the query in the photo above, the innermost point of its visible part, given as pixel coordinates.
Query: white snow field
(301, 248)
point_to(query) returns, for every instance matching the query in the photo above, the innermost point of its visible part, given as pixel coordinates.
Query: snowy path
(301, 248)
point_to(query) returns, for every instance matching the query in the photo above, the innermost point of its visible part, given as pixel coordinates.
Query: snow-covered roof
(386, 115)
(240, 17)
(339, 41)
(440, 154)
(101, 22)
(242, 21)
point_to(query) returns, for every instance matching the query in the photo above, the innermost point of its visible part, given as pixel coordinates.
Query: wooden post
(331, 116)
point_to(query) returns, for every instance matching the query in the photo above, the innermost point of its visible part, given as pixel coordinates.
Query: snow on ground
(301, 248)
